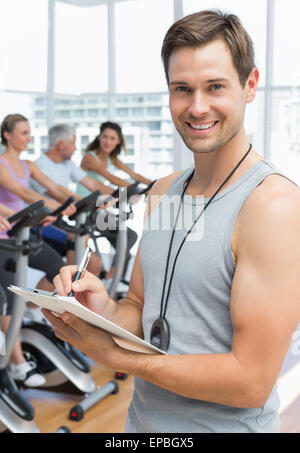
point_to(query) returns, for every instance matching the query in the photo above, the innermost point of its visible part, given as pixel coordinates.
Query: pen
(82, 266)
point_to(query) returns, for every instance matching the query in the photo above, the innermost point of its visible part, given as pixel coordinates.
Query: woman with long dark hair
(101, 158)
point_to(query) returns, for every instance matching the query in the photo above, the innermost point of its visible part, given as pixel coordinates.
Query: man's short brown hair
(203, 27)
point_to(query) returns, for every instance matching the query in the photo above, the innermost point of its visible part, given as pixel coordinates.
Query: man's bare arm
(62, 193)
(93, 185)
(53, 190)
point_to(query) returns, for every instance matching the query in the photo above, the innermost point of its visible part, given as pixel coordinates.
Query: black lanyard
(160, 331)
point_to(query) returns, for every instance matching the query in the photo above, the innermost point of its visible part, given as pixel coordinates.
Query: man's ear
(61, 145)
(251, 85)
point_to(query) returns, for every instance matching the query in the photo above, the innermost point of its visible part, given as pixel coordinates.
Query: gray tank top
(198, 309)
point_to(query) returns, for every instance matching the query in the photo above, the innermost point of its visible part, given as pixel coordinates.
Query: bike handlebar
(33, 218)
(64, 206)
(25, 211)
(133, 189)
(86, 204)
(26, 247)
(26, 218)
(89, 204)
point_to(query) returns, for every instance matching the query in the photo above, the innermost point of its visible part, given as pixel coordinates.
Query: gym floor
(108, 416)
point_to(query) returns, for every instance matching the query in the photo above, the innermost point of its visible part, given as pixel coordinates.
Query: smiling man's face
(207, 100)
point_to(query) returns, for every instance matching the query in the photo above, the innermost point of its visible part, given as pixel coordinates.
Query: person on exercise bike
(58, 164)
(100, 161)
(14, 191)
(101, 158)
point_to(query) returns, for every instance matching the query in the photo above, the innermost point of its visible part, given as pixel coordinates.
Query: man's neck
(53, 155)
(211, 169)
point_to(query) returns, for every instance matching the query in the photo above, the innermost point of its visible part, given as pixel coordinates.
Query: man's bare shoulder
(272, 209)
(275, 192)
(162, 185)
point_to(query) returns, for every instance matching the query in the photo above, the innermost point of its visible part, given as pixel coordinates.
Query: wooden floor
(108, 416)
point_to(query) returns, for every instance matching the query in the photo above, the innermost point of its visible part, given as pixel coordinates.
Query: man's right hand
(70, 210)
(89, 290)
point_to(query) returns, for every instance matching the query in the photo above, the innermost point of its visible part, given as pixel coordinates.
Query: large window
(23, 48)
(151, 145)
(140, 29)
(81, 49)
(139, 69)
(286, 43)
(85, 113)
(285, 139)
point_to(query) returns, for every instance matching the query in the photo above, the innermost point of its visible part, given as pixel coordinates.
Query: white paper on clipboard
(58, 305)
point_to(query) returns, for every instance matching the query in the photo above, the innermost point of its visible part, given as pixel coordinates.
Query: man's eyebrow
(221, 79)
(180, 82)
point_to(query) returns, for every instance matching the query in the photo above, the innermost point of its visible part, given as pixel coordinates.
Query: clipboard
(59, 304)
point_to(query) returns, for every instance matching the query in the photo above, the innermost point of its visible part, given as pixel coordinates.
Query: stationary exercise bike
(85, 218)
(16, 412)
(114, 217)
(88, 218)
(63, 366)
(120, 214)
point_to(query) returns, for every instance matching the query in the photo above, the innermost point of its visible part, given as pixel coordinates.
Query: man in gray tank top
(223, 297)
